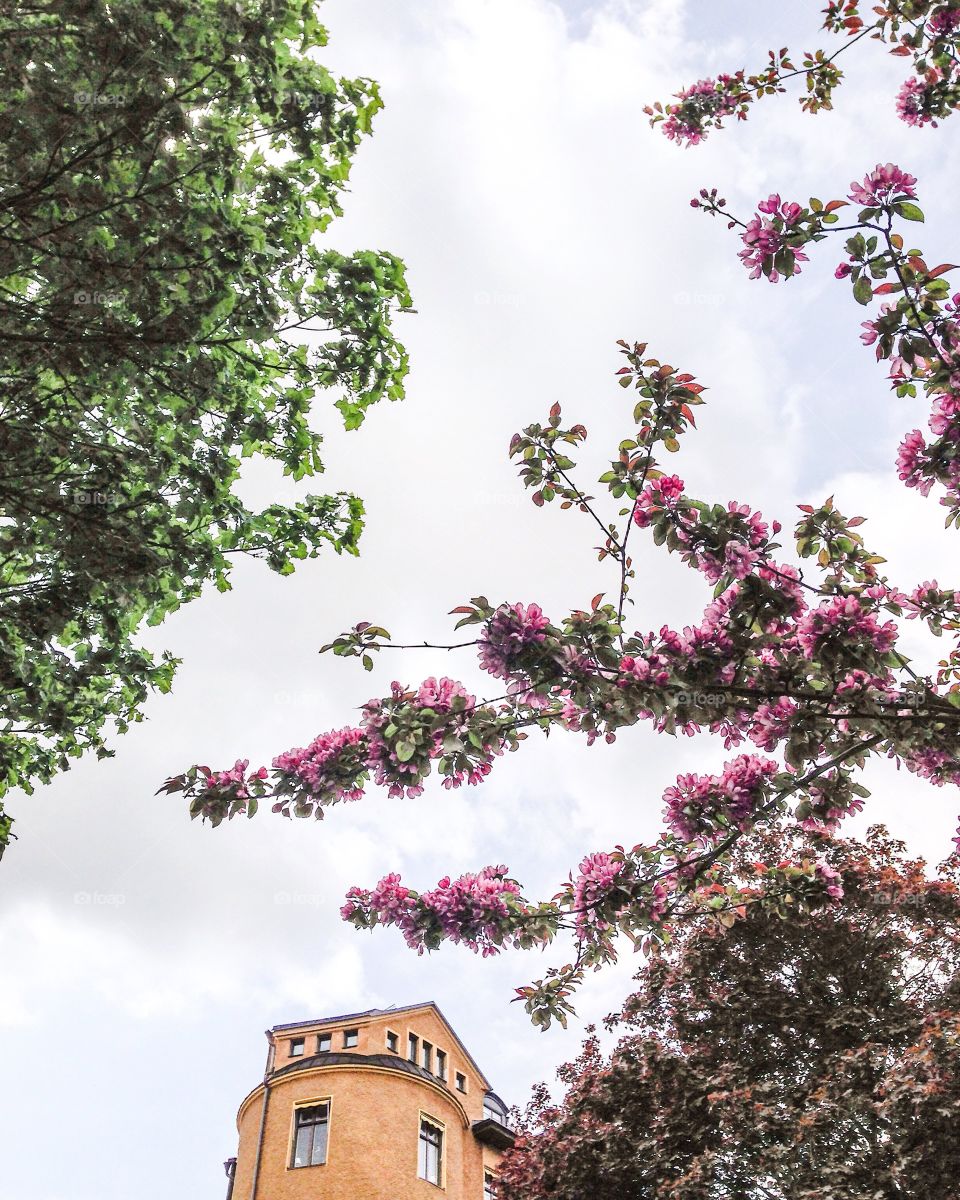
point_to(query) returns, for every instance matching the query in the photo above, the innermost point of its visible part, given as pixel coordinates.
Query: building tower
(386, 1104)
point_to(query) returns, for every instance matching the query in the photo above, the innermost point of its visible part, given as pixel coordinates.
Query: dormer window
(494, 1109)
(296, 1047)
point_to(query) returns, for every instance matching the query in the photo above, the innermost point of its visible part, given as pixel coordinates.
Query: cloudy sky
(541, 219)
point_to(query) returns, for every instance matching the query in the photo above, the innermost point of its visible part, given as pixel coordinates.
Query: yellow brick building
(386, 1104)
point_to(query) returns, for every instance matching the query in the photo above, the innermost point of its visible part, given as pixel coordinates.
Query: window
(488, 1185)
(427, 1059)
(461, 1081)
(350, 1038)
(431, 1151)
(412, 1043)
(296, 1047)
(442, 1065)
(393, 1042)
(310, 1126)
(494, 1109)
(323, 1043)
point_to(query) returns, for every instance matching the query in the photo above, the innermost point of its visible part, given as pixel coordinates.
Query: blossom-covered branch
(798, 658)
(926, 32)
(917, 331)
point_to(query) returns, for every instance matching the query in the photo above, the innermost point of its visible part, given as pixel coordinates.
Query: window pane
(304, 1142)
(350, 1037)
(431, 1152)
(323, 1043)
(412, 1043)
(319, 1144)
(296, 1046)
(427, 1056)
(441, 1065)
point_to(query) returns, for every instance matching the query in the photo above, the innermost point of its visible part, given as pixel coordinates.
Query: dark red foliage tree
(813, 1056)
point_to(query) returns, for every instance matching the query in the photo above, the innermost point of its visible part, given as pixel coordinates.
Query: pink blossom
(910, 461)
(831, 880)
(911, 101)
(704, 102)
(771, 723)
(843, 619)
(881, 185)
(705, 806)
(331, 768)
(766, 235)
(512, 630)
(473, 909)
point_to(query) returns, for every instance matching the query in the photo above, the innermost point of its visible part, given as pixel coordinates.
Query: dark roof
(381, 1012)
(368, 1012)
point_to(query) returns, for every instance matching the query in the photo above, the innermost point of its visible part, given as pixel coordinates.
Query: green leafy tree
(810, 1057)
(168, 168)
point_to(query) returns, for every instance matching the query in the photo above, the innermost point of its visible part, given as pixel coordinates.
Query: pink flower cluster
(883, 184)
(403, 775)
(599, 896)
(705, 102)
(912, 100)
(843, 619)
(473, 909)
(234, 780)
(830, 880)
(655, 498)
(513, 629)
(911, 459)
(331, 768)
(771, 723)
(704, 807)
(736, 552)
(767, 233)
(936, 766)
(943, 22)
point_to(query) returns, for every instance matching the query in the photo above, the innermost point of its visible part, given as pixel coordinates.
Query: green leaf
(909, 211)
(863, 290)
